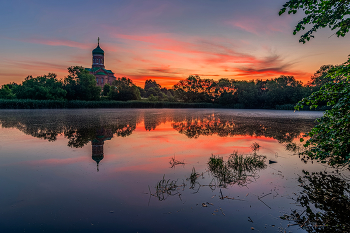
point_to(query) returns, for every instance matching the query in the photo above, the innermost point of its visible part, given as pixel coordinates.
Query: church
(103, 76)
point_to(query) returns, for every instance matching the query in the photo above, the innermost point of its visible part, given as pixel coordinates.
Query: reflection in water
(282, 129)
(77, 128)
(81, 129)
(239, 169)
(35, 172)
(326, 202)
(98, 142)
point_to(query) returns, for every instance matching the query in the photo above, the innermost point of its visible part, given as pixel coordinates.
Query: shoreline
(65, 104)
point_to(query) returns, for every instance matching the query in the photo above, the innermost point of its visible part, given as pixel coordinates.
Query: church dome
(98, 50)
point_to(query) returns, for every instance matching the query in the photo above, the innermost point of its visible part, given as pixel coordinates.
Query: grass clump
(246, 163)
(240, 169)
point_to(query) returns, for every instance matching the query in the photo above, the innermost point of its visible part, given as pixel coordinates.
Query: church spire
(98, 41)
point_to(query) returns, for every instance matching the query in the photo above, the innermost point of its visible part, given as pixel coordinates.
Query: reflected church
(97, 144)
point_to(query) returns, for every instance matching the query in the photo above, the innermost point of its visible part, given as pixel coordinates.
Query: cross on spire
(98, 41)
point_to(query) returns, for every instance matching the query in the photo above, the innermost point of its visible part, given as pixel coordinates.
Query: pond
(165, 170)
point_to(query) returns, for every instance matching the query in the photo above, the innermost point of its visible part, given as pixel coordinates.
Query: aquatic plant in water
(239, 169)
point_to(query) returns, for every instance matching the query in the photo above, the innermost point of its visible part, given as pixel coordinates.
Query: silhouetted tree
(124, 89)
(81, 85)
(45, 87)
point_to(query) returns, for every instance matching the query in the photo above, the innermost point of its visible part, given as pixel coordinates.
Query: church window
(97, 80)
(102, 80)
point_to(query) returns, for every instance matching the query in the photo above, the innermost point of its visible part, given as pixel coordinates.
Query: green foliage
(152, 98)
(81, 85)
(45, 87)
(239, 169)
(124, 89)
(320, 14)
(283, 90)
(6, 92)
(330, 139)
(320, 77)
(106, 89)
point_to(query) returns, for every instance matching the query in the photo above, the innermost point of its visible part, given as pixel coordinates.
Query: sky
(163, 40)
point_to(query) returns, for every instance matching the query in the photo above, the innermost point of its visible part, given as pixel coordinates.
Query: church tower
(103, 76)
(98, 55)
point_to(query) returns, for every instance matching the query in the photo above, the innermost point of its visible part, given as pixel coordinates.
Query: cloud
(39, 65)
(273, 65)
(217, 56)
(207, 51)
(259, 26)
(58, 42)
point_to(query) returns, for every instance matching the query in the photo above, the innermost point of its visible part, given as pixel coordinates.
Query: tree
(124, 89)
(81, 85)
(320, 77)
(320, 14)
(46, 87)
(283, 90)
(151, 84)
(247, 94)
(106, 89)
(195, 89)
(330, 139)
(6, 92)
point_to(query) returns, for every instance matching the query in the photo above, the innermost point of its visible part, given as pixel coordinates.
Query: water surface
(98, 170)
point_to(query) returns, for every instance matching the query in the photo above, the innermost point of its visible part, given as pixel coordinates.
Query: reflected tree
(282, 129)
(326, 202)
(78, 129)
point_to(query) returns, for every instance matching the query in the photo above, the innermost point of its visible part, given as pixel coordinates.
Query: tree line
(81, 85)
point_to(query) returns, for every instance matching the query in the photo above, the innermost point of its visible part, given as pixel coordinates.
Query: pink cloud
(58, 42)
(257, 26)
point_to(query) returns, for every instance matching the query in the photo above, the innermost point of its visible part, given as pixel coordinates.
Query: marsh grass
(239, 169)
(246, 163)
(219, 169)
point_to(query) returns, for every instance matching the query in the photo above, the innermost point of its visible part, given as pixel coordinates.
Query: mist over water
(105, 170)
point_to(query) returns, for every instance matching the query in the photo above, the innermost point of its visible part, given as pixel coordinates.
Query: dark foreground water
(106, 170)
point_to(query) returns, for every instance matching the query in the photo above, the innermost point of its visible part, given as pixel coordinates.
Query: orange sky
(162, 40)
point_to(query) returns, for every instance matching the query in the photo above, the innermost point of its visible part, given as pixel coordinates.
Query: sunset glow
(162, 40)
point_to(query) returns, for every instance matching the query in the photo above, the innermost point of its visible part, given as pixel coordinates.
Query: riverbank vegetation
(329, 141)
(79, 90)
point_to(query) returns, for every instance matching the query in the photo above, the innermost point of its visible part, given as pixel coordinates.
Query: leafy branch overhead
(320, 14)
